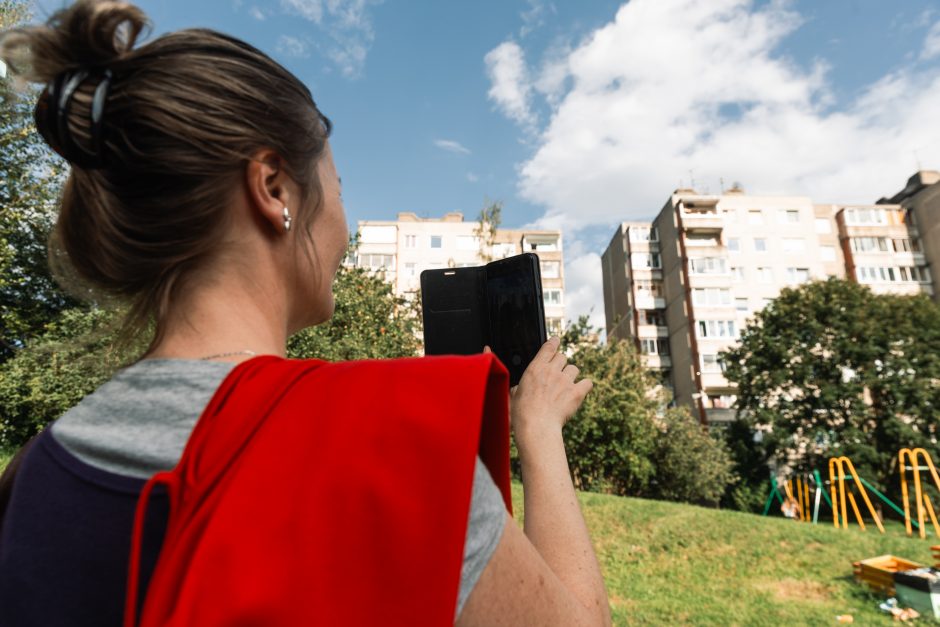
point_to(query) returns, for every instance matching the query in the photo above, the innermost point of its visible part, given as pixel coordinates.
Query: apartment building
(705, 264)
(883, 249)
(401, 249)
(683, 286)
(921, 200)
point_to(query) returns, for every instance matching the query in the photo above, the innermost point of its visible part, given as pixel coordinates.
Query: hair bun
(88, 34)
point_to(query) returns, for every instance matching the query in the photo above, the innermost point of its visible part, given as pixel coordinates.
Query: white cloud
(534, 16)
(451, 146)
(673, 86)
(346, 27)
(510, 84)
(473, 178)
(256, 13)
(583, 289)
(291, 46)
(932, 43)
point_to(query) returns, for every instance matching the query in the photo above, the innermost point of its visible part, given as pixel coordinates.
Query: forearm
(555, 525)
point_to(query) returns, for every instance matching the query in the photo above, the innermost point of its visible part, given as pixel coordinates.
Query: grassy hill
(668, 564)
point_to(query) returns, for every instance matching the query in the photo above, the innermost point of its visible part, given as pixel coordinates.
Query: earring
(287, 219)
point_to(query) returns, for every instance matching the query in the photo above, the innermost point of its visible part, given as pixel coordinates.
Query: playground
(914, 583)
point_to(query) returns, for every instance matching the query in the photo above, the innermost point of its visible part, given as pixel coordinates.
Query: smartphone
(497, 305)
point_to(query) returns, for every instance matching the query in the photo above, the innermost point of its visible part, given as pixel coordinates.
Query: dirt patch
(795, 590)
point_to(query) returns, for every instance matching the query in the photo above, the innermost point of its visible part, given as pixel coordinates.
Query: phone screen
(517, 322)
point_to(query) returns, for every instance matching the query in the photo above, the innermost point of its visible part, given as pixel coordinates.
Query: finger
(512, 390)
(548, 350)
(583, 387)
(571, 371)
(559, 361)
(487, 350)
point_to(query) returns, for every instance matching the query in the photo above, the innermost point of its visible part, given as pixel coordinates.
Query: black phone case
(457, 315)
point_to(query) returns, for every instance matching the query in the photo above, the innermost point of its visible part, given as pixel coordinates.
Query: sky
(581, 115)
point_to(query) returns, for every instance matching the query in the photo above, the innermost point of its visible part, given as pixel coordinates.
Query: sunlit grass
(666, 563)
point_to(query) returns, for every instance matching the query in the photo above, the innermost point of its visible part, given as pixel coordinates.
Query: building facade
(684, 285)
(403, 248)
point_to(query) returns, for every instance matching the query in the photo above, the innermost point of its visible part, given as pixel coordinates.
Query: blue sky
(582, 114)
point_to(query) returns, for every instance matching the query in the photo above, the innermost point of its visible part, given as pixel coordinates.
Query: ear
(267, 186)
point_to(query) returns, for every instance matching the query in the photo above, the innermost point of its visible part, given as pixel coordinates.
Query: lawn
(666, 563)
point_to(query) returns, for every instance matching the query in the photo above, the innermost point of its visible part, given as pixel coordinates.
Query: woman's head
(145, 209)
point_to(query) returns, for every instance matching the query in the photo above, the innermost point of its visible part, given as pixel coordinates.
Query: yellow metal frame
(921, 499)
(841, 497)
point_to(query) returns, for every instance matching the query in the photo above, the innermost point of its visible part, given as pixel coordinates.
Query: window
(711, 363)
(797, 275)
(869, 244)
(649, 289)
(827, 253)
(716, 328)
(864, 215)
(734, 244)
(737, 272)
(541, 243)
(741, 304)
(708, 265)
(410, 269)
(755, 216)
(711, 296)
(651, 346)
(551, 297)
(554, 326)
(550, 269)
(377, 262)
(765, 275)
(411, 241)
(760, 244)
(823, 226)
(645, 260)
(654, 317)
(642, 234)
(794, 245)
(789, 216)
(906, 245)
(468, 242)
(436, 241)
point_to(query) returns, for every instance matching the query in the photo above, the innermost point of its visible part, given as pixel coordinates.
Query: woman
(203, 193)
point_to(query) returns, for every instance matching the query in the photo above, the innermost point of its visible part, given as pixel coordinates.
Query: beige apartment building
(683, 286)
(401, 249)
(921, 200)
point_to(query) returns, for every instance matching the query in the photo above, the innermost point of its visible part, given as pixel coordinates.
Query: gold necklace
(232, 354)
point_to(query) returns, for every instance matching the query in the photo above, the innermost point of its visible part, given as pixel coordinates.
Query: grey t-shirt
(138, 423)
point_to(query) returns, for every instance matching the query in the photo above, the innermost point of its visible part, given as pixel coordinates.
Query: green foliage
(831, 369)
(79, 351)
(369, 322)
(76, 353)
(623, 440)
(691, 465)
(31, 176)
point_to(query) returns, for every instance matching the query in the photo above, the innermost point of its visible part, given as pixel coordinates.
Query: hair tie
(52, 117)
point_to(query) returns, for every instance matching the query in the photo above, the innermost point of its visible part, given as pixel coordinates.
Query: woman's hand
(547, 395)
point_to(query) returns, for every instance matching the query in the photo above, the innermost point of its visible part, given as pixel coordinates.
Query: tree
(624, 440)
(31, 176)
(79, 351)
(487, 224)
(829, 369)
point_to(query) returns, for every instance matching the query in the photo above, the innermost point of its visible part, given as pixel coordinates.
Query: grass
(668, 564)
